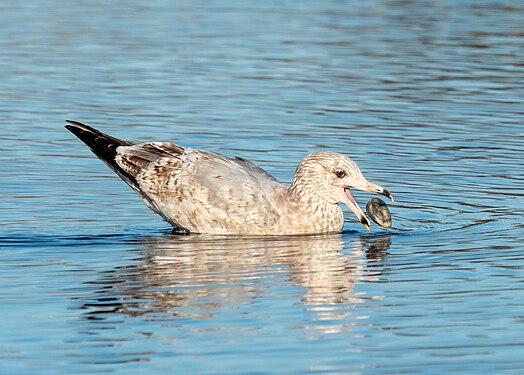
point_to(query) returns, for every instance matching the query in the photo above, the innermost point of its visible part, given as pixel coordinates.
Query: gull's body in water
(204, 192)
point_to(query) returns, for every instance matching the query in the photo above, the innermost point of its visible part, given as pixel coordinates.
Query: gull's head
(330, 176)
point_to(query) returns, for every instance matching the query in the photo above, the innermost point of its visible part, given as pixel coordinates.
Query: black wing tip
(102, 145)
(76, 128)
(84, 131)
(73, 123)
(77, 125)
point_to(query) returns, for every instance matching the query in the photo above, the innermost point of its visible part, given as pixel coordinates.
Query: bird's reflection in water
(200, 276)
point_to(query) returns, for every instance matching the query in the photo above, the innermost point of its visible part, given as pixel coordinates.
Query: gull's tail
(103, 146)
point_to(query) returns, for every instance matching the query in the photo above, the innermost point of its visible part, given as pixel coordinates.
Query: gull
(204, 192)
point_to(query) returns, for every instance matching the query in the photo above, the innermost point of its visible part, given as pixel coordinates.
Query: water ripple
(425, 96)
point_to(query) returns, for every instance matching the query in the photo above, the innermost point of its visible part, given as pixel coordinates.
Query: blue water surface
(426, 96)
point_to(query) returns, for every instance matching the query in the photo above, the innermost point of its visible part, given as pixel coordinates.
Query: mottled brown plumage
(204, 192)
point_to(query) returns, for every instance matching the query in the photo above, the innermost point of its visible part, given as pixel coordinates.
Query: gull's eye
(340, 173)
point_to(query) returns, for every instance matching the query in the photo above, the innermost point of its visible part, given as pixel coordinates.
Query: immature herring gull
(204, 192)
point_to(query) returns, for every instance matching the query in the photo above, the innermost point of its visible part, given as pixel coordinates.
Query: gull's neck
(303, 187)
(302, 190)
(310, 209)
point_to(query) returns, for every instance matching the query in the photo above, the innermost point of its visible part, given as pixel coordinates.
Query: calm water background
(428, 98)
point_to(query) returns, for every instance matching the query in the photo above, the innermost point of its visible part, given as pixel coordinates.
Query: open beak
(352, 203)
(353, 206)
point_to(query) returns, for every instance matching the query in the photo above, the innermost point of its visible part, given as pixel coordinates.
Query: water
(426, 96)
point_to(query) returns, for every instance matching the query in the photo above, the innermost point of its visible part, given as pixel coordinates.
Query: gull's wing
(194, 190)
(197, 189)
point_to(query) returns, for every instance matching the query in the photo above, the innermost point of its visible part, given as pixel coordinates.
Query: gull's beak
(374, 188)
(352, 203)
(353, 206)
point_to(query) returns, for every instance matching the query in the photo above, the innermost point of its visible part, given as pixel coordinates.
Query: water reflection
(197, 276)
